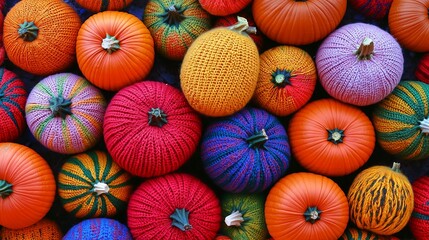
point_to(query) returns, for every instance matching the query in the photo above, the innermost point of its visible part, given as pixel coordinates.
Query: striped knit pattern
(397, 121)
(224, 7)
(78, 180)
(373, 9)
(352, 233)
(359, 82)
(45, 229)
(96, 6)
(12, 103)
(419, 221)
(422, 70)
(76, 132)
(156, 199)
(236, 166)
(175, 24)
(100, 229)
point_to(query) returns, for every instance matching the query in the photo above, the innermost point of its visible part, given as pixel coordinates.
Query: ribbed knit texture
(78, 180)
(99, 229)
(236, 166)
(54, 48)
(422, 69)
(2, 51)
(156, 199)
(397, 121)
(353, 233)
(354, 81)
(13, 96)
(419, 221)
(66, 133)
(297, 72)
(373, 9)
(150, 150)
(104, 5)
(219, 72)
(175, 24)
(45, 229)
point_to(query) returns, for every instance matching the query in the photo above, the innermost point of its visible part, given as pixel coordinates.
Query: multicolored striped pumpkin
(287, 79)
(98, 228)
(422, 69)
(104, 5)
(174, 25)
(419, 221)
(13, 97)
(381, 200)
(245, 152)
(92, 185)
(45, 229)
(353, 233)
(401, 121)
(65, 113)
(372, 9)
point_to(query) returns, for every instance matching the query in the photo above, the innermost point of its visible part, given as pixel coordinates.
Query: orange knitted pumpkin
(45, 229)
(103, 5)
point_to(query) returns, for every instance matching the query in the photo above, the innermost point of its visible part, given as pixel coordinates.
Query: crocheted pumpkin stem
(110, 44)
(258, 139)
(28, 31)
(157, 117)
(312, 214)
(336, 135)
(396, 167)
(242, 26)
(60, 106)
(234, 219)
(281, 78)
(101, 188)
(5, 188)
(181, 219)
(174, 16)
(424, 126)
(366, 49)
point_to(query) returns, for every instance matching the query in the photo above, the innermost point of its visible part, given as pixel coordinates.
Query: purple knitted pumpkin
(419, 221)
(359, 64)
(65, 113)
(99, 228)
(246, 152)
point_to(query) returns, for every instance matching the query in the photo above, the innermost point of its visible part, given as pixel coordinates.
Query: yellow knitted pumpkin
(220, 70)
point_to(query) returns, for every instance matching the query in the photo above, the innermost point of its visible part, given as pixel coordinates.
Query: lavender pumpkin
(359, 64)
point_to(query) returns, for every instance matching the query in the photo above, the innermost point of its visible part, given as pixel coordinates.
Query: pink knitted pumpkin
(224, 7)
(419, 221)
(359, 64)
(422, 70)
(150, 129)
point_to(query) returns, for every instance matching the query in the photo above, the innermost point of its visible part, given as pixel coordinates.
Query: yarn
(352, 233)
(150, 129)
(245, 152)
(345, 72)
(103, 5)
(65, 113)
(98, 228)
(224, 7)
(45, 229)
(373, 9)
(422, 69)
(419, 221)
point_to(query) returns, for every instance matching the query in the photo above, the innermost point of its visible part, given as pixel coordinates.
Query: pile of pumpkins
(213, 119)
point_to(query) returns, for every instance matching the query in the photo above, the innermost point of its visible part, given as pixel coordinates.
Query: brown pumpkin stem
(336, 135)
(257, 140)
(5, 189)
(60, 106)
(28, 31)
(396, 167)
(181, 219)
(281, 78)
(157, 117)
(234, 219)
(110, 44)
(174, 16)
(242, 26)
(101, 188)
(312, 214)
(424, 126)
(366, 49)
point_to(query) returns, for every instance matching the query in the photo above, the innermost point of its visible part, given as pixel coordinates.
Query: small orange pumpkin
(45, 229)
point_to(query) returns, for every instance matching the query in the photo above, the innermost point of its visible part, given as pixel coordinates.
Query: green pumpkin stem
(365, 50)
(5, 189)
(242, 26)
(234, 219)
(258, 139)
(60, 106)
(424, 125)
(396, 167)
(110, 44)
(174, 16)
(101, 188)
(157, 117)
(312, 214)
(336, 135)
(28, 31)
(281, 78)
(181, 219)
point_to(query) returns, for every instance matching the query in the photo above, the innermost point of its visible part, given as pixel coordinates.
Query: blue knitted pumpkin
(245, 152)
(100, 229)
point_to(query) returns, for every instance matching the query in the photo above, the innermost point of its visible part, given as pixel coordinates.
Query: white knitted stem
(424, 125)
(101, 188)
(234, 219)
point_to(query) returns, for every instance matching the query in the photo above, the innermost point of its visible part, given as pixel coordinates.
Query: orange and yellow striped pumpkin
(45, 229)
(103, 5)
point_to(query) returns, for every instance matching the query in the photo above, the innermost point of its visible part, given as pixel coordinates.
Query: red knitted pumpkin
(224, 7)
(373, 9)
(419, 221)
(422, 70)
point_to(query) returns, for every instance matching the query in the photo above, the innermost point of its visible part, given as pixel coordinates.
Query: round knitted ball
(246, 152)
(13, 96)
(92, 185)
(373, 9)
(219, 72)
(98, 228)
(150, 129)
(65, 113)
(422, 69)
(419, 221)
(174, 206)
(359, 64)
(45, 229)
(224, 7)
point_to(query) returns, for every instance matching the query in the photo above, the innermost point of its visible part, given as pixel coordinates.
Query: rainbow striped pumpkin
(65, 113)
(45, 229)
(103, 5)
(419, 221)
(92, 185)
(401, 121)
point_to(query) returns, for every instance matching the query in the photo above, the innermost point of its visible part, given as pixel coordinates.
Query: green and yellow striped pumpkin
(401, 121)
(352, 233)
(92, 185)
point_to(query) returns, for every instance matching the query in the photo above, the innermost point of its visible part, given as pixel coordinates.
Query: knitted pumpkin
(419, 221)
(103, 5)
(359, 64)
(45, 229)
(150, 129)
(401, 121)
(422, 69)
(92, 185)
(373, 9)
(287, 79)
(40, 36)
(174, 25)
(2, 51)
(331, 138)
(65, 113)
(243, 216)
(224, 7)
(13, 96)
(114, 49)
(352, 233)
(98, 228)
(172, 207)
(27, 186)
(381, 200)
(305, 205)
(245, 152)
(220, 70)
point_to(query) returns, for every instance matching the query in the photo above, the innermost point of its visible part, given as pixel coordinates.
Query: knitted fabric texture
(65, 113)
(219, 72)
(373, 9)
(103, 5)
(400, 121)
(246, 152)
(422, 70)
(45, 229)
(224, 7)
(359, 82)
(352, 233)
(2, 51)
(12, 103)
(174, 25)
(150, 129)
(165, 71)
(50, 45)
(287, 79)
(419, 221)
(154, 202)
(92, 185)
(100, 229)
